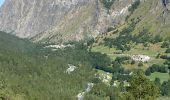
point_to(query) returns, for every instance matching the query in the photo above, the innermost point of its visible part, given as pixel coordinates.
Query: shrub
(108, 3)
(148, 72)
(157, 39)
(133, 62)
(134, 6)
(165, 44)
(142, 88)
(165, 57)
(165, 88)
(157, 81)
(156, 68)
(140, 64)
(167, 50)
(122, 59)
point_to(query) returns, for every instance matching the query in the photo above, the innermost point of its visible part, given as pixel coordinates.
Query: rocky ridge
(60, 20)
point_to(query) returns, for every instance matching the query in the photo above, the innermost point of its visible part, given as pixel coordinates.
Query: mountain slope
(60, 20)
(30, 72)
(154, 15)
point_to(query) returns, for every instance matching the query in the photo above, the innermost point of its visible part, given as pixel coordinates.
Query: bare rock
(60, 20)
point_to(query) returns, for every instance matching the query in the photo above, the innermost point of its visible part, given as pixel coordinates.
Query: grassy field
(164, 98)
(150, 51)
(162, 76)
(106, 50)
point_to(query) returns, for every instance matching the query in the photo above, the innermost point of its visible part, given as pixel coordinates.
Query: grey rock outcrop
(60, 20)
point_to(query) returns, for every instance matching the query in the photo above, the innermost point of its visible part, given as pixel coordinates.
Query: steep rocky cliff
(60, 20)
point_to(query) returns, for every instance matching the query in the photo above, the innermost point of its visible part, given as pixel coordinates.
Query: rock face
(60, 20)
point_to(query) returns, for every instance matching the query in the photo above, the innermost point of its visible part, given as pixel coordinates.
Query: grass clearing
(152, 51)
(164, 98)
(162, 76)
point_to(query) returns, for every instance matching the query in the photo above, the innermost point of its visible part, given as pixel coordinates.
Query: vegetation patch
(162, 76)
(107, 3)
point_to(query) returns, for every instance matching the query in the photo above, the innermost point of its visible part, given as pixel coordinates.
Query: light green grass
(106, 50)
(151, 51)
(164, 98)
(162, 76)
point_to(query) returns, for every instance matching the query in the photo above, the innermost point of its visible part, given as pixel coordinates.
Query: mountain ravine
(60, 20)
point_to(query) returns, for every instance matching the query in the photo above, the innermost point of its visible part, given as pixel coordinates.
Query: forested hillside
(141, 43)
(131, 61)
(29, 71)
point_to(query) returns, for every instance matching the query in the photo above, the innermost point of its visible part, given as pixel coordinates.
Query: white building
(142, 58)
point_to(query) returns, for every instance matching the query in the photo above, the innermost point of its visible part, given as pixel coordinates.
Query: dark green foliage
(143, 37)
(30, 72)
(121, 77)
(127, 96)
(108, 42)
(157, 82)
(134, 6)
(119, 73)
(165, 44)
(116, 64)
(125, 38)
(90, 42)
(140, 64)
(148, 72)
(101, 90)
(141, 88)
(165, 57)
(122, 41)
(157, 39)
(167, 50)
(107, 3)
(120, 60)
(121, 86)
(100, 61)
(158, 55)
(133, 62)
(156, 68)
(165, 88)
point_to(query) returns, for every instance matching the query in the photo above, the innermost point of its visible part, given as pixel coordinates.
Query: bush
(134, 6)
(142, 88)
(140, 64)
(165, 57)
(108, 3)
(157, 82)
(133, 62)
(122, 59)
(156, 68)
(165, 88)
(167, 50)
(157, 39)
(100, 61)
(148, 72)
(165, 44)
(108, 42)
